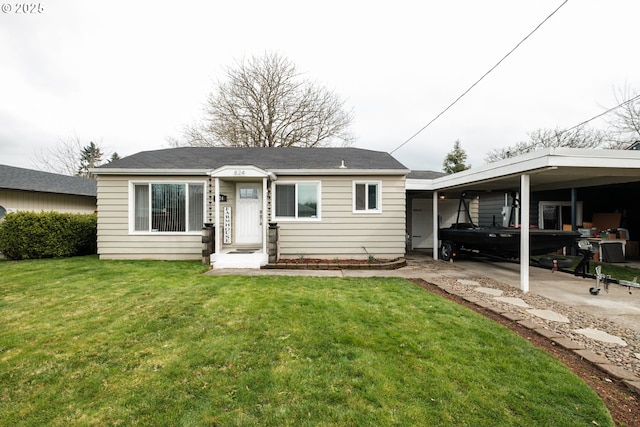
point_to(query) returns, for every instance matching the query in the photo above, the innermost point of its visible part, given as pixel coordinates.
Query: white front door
(248, 213)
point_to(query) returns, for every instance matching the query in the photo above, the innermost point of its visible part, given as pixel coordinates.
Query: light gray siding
(114, 239)
(490, 209)
(341, 233)
(492, 204)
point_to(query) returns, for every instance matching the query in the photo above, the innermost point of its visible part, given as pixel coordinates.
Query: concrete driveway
(616, 305)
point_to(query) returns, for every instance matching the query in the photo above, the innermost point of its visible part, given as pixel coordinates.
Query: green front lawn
(89, 342)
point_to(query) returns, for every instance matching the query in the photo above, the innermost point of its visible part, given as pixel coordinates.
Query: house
(634, 146)
(329, 203)
(31, 190)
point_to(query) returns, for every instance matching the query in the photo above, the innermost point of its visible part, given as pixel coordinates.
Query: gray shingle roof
(414, 174)
(13, 178)
(264, 158)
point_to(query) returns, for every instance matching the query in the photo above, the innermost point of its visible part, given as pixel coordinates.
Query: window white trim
(131, 206)
(295, 218)
(366, 210)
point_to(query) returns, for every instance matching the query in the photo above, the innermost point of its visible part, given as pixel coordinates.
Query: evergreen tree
(90, 157)
(455, 160)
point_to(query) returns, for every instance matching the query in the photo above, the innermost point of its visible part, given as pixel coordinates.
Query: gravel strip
(627, 357)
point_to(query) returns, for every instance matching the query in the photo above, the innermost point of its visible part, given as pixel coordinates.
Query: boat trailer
(605, 279)
(585, 249)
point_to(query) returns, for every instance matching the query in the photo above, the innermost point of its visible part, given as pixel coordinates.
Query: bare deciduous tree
(625, 120)
(70, 157)
(61, 158)
(624, 130)
(578, 137)
(265, 102)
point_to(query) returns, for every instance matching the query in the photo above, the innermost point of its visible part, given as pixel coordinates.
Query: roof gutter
(274, 172)
(138, 171)
(341, 172)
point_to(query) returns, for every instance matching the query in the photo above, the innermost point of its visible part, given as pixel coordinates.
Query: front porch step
(239, 260)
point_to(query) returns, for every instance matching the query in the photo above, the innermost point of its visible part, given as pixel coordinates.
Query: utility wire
(602, 114)
(479, 80)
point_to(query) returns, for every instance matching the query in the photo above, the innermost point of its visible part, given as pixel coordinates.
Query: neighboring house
(634, 146)
(31, 190)
(329, 203)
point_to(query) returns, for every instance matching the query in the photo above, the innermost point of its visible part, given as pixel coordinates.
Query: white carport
(547, 169)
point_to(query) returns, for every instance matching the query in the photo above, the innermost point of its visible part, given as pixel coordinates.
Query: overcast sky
(129, 74)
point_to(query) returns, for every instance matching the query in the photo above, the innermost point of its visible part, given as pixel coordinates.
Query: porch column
(435, 225)
(524, 231)
(217, 246)
(265, 217)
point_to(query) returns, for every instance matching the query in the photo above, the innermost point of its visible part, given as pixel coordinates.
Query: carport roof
(549, 169)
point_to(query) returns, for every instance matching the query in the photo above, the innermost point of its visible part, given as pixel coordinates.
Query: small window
(366, 197)
(248, 193)
(3, 212)
(297, 200)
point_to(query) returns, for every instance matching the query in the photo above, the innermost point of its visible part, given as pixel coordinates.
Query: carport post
(525, 195)
(574, 209)
(435, 225)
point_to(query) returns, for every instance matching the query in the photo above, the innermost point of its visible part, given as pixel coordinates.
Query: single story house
(31, 190)
(337, 203)
(329, 203)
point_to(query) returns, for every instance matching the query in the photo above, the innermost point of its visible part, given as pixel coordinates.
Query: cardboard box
(605, 221)
(612, 236)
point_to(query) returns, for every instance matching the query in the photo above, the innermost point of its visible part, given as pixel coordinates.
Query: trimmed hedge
(30, 235)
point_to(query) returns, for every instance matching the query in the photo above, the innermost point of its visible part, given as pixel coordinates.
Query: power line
(602, 114)
(480, 79)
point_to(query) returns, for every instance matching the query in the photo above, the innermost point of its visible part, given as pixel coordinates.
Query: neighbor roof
(13, 178)
(272, 159)
(415, 174)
